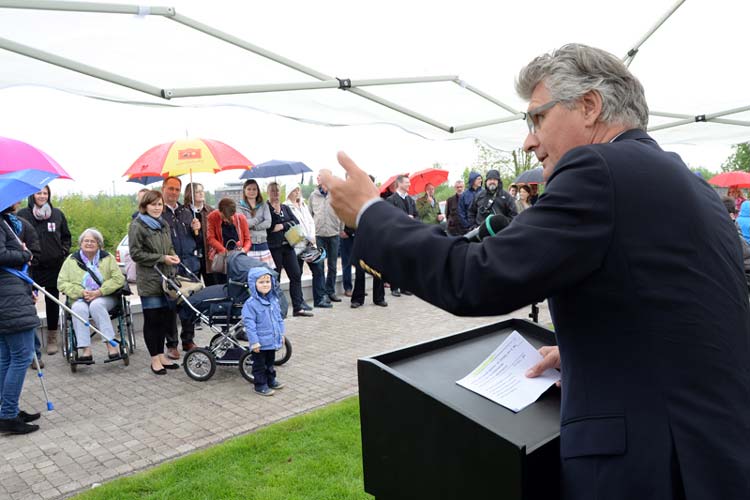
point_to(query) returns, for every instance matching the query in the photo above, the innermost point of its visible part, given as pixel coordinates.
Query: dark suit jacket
(407, 204)
(451, 214)
(643, 271)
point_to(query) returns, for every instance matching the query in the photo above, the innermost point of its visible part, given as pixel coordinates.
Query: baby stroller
(219, 307)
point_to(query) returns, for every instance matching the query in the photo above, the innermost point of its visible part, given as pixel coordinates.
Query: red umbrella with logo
(419, 180)
(186, 156)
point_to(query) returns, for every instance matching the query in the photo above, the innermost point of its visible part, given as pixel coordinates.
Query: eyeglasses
(532, 116)
(90, 242)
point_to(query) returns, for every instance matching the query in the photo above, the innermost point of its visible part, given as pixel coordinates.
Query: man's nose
(531, 143)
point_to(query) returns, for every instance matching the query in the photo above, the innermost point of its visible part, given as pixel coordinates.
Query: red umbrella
(186, 156)
(419, 180)
(384, 186)
(728, 179)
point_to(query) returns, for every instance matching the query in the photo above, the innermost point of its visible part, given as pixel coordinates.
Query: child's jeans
(263, 370)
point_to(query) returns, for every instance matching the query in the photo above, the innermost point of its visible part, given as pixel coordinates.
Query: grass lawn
(312, 456)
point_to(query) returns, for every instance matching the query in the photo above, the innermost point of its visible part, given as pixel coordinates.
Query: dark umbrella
(533, 176)
(276, 168)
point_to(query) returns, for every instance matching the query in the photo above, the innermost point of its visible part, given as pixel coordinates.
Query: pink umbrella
(16, 155)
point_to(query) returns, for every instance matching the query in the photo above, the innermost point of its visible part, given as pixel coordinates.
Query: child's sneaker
(276, 385)
(265, 391)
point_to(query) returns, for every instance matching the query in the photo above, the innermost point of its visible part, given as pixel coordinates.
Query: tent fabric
(688, 66)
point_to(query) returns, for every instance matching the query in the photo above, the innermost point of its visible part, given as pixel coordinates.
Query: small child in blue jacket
(261, 317)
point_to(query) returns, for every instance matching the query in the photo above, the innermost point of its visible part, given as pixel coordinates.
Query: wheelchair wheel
(199, 364)
(284, 353)
(246, 366)
(130, 331)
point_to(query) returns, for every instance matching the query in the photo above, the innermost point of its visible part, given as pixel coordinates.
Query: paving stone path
(111, 420)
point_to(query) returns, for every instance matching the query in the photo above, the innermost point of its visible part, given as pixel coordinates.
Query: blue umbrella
(146, 180)
(533, 176)
(15, 186)
(275, 168)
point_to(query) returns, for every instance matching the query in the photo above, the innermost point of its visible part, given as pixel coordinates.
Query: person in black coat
(492, 200)
(282, 219)
(451, 211)
(401, 200)
(18, 323)
(54, 237)
(651, 313)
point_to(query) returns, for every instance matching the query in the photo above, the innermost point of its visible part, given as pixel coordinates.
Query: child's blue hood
(256, 272)
(745, 209)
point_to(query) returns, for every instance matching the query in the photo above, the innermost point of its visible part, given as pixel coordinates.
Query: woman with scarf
(284, 257)
(151, 245)
(89, 278)
(18, 322)
(200, 209)
(52, 228)
(258, 218)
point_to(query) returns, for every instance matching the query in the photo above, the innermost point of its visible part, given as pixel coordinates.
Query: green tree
(109, 214)
(739, 159)
(703, 172)
(510, 164)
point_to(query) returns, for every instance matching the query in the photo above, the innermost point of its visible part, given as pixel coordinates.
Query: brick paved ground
(111, 420)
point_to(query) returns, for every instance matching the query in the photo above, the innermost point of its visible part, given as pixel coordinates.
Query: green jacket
(70, 279)
(148, 247)
(428, 214)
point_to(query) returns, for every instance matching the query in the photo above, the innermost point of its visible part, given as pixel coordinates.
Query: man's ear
(592, 106)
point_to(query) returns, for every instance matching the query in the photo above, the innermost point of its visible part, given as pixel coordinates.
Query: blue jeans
(345, 252)
(16, 352)
(331, 246)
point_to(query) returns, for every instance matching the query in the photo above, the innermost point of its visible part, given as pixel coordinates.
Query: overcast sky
(689, 66)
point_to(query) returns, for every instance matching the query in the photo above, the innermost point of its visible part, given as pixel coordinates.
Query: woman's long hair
(258, 198)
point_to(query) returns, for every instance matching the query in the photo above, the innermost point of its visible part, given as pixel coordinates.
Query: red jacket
(216, 241)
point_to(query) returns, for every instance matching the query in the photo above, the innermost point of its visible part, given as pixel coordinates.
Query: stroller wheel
(246, 366)
(199, 364)
(284, 353)
(219, 345)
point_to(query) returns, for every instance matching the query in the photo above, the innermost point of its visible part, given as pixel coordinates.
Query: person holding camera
(492, 200)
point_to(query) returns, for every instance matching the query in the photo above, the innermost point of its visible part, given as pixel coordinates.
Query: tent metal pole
(486, 96)
(78, 67)
(487, 123)
(665, 114)
(725, 121)
(632, 52)
(179, 18)
(708, 117)
(104, 8)
(283, 87)
(401, 109)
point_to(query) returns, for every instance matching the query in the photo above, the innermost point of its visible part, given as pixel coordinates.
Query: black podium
(426, 437)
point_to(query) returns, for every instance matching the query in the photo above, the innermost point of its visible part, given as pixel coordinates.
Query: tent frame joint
(344, 83)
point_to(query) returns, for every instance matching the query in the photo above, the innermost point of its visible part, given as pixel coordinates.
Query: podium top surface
(434, 367)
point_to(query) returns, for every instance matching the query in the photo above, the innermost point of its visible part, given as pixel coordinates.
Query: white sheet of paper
(502, 376)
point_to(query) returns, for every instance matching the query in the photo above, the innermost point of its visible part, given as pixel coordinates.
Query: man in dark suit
(401, 200)
(451, 211)
(646, 291)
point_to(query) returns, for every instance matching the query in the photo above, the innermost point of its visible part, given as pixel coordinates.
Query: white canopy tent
(434, 69)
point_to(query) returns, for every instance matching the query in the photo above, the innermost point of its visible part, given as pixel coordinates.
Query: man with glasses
(646, 291)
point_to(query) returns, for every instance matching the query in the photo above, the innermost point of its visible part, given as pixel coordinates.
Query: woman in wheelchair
(90, 278)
